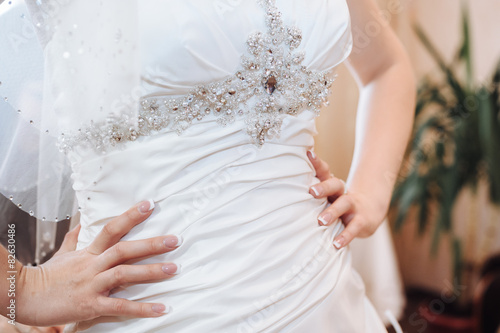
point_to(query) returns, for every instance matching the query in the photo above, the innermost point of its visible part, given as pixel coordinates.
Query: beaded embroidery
(272, 77)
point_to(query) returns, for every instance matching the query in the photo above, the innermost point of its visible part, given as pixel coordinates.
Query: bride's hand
(360, 214)
(75, 285)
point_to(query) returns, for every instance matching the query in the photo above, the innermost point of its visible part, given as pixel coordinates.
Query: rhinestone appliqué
(272, 84)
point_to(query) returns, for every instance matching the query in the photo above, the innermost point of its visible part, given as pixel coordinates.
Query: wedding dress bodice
(196, 58)
(254, 258)
(263, 80)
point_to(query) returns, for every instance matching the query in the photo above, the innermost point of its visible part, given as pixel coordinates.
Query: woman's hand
(75, 285)
(360, 215)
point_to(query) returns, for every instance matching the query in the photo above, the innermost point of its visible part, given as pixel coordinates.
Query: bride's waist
(192, 195)
(222, 213)
(108, 185)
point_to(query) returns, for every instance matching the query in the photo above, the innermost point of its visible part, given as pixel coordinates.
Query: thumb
(70, 240)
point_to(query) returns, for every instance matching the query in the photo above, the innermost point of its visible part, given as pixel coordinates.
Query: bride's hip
(242, 229)
(240, 245)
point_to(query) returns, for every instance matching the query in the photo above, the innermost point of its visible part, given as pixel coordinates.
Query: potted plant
(455, 146)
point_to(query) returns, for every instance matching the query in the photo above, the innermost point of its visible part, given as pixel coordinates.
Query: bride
(208, 108)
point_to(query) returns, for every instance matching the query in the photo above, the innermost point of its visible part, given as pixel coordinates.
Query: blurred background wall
(335, 141)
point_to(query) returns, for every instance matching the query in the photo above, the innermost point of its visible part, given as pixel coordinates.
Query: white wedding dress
(253, 258)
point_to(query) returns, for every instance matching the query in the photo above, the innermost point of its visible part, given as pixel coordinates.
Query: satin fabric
(253, 258)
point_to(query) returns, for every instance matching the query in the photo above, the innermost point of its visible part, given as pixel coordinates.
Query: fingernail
(316, 192)
(159, 308)
(324, 219)
(313, 155)
(171, 269)
(173, 241)
(338, 242)
(146, 206)
(345, 186)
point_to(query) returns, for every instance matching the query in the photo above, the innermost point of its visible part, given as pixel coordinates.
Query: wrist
(378, 196)
(25, 295)
(11, 286)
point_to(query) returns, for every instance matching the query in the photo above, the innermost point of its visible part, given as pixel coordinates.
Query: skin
(78, 283)
(384, 121)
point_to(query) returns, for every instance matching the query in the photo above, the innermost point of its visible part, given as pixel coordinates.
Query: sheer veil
(64, 65)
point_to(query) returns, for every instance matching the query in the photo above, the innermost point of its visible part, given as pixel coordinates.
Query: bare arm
(383, 126)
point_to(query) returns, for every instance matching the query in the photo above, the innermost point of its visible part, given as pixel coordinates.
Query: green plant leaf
(423, 216)
(406, 199)
(489, 138)
(458, 262)
(454, 83)
(450, 181)
(465, 50)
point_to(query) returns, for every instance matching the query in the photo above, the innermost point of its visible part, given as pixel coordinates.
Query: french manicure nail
(180, 240)
(171, 269)
(345, 186)
(159, 308)
(147, 206)
(315, 191)
(172, 241)
(338, 243)
(313, 155)
(324, 219)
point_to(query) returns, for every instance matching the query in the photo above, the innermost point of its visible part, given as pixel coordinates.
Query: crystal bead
(272, 83)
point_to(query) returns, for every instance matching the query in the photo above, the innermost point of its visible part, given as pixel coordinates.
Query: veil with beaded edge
(84, 52)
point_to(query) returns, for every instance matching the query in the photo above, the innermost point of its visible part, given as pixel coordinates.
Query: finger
(125, 274)
(352, 230)
(122, 307)
(322, 168)
(338, 208)
(331, 188)
(118, 227)
(138, 249)
(70, 240)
